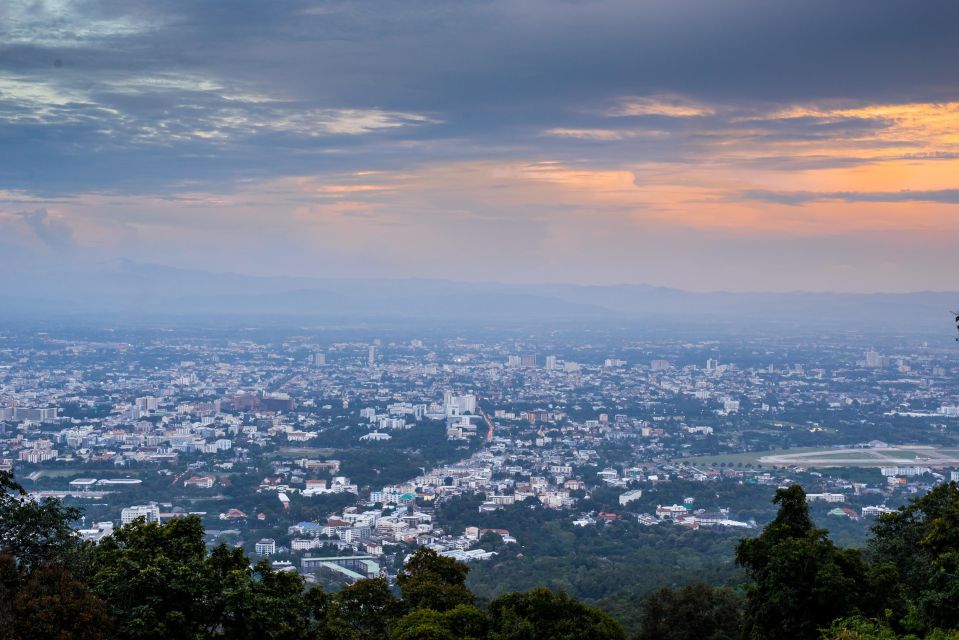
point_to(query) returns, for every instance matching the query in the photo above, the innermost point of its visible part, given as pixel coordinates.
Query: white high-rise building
(319, 359)
(149, 512)
(265, 547)
(873, 359)
(730, 406)
(371, 355)
(458, 405)
(550, 363)
(147, 403)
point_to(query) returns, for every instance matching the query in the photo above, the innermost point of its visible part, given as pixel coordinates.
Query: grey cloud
(947, 196)
(51, 232)
(153, 93)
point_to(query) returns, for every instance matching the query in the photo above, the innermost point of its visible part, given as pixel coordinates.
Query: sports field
(904, 455)
(925, 456)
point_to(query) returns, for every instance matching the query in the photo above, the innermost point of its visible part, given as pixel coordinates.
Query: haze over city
(744, 146)
(479, 320)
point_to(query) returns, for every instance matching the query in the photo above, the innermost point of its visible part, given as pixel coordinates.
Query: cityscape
(334, 454)
(479, 320)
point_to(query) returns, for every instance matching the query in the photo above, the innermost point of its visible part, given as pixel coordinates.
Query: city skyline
(742, 146)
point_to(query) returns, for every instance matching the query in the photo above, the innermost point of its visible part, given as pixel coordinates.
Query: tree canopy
(150, 581)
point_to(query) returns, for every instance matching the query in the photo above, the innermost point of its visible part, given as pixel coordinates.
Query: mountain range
(136, 290)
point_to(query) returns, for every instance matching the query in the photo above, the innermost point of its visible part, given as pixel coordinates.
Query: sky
(736, 145)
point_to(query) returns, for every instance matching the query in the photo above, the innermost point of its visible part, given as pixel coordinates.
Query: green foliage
(463, 622)
(432, 581)
(799, 580)
(39, 598)
(542, 614)
(157, 581)
(697, 611)
(920, 542)
(364, 610)
(424, 624)
(53, 605)
(859, 628)
(613, 566)
(35, 533)
(262, 604)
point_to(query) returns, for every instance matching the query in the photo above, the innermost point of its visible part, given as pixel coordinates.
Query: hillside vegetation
(153, 582)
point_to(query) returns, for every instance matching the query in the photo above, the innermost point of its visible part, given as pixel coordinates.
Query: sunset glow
(370, 156)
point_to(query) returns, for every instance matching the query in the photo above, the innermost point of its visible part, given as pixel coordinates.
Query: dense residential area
(335, 457)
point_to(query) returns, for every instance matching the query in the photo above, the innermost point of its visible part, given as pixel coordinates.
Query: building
(265, 547)
(83, 484)
(629, 496)
(149, 512)
(874, 360)
(147, 403)
(36, 456)
(730, 406)
(825, 497)
(35, 415)
(457, 405)
(97, 532)
(907, 472)
(200, 482)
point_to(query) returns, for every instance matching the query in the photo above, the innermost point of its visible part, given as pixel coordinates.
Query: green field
(751, 457)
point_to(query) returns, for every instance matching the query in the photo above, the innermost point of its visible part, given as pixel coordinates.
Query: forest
(152, 581)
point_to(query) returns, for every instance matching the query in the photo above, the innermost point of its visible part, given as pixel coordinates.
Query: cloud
(947, 196)
(73, 23)
(660, 105)
(603, 135)
(165, 109)
(50, 231)
(553, 132)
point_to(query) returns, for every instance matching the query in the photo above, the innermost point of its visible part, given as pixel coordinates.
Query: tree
(463, 622)
(919, 542)
(694, 612)
(799, 580)
(366, 610)
(262, 604)
(542, 614)
(859, 628)
(53, 605)
(156, 580)
(9, 585)
(35, 533)
(432, 581)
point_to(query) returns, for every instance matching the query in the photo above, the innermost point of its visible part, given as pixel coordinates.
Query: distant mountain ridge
(132, 288)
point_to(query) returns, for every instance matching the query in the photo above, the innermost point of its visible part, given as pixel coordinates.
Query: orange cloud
(670, 106)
